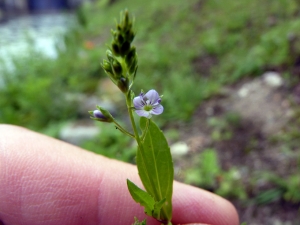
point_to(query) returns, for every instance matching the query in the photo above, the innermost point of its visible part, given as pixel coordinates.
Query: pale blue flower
(148, 104)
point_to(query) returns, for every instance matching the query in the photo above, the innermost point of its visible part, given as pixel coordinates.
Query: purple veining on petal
(138, 102)
(157, 110)
(152, 95)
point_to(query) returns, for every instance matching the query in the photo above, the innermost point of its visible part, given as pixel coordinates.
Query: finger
(46, 181)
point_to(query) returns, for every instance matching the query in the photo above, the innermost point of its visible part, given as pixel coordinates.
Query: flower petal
(98, 114)
(138, 102)
(157, 110)
(153, 96)
(143, 113)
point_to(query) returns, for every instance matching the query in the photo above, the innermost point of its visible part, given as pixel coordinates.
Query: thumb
(44, 181)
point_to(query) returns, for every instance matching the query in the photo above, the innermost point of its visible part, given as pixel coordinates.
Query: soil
(256, 114)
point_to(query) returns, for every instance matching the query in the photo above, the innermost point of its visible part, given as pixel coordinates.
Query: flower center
(148, 108)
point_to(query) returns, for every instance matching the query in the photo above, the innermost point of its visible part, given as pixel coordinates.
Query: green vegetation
(108, 143)
(210, 176)
(238, 40)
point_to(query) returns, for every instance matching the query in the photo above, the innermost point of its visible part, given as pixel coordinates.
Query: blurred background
(229, 73)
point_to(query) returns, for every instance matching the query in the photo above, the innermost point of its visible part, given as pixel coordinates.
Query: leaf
(137, 222)
(142, 197)
(155, 166)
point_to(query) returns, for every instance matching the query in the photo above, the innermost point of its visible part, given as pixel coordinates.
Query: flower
(148, 104)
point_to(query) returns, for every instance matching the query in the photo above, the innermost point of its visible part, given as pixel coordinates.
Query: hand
(46, 181)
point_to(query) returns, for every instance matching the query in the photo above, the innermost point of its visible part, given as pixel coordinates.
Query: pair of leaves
(155, 167)
(152, 208)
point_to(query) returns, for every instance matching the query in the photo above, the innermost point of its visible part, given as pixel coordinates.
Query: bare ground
(264, 114)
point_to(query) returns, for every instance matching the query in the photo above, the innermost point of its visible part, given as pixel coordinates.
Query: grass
(173, 37)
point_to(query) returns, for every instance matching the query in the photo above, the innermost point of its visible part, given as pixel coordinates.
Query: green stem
(129, 107)
(123, 130)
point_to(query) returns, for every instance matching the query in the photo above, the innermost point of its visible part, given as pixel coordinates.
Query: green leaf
(142, 197)
(137, 222)
(155, 166)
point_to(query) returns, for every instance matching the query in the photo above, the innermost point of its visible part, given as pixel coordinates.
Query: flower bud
(126, 19)
(133, 66)
(130, 56)
(106, 66)
(109, 55)
(129, 35)
(117, 68)
(120, 39)
(125, 48)
(123, 84)
(98, 115)
(101, 115)
(115, 49)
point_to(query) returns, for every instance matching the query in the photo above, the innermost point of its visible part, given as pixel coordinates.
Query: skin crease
(44, 181)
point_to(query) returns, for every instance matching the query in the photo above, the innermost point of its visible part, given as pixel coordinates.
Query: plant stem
(118, 126)
(129, 107)
(140, 146)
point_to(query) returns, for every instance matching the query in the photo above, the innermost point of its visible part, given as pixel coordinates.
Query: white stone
(243, 92)
(272, 79)
(179, 148)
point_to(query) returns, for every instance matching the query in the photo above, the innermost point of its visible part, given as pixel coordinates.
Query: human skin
(44, 181)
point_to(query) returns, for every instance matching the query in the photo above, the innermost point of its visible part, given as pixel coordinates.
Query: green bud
(126, 19)
(133, 66)
(130, 56)
(106, 114)
(120, 39)
(125, 48)
(110, 56)
(134, 74)
(117, 68)
(123, 84)
(114, 33)
(106, 66)
(115, 49)
(129, 35)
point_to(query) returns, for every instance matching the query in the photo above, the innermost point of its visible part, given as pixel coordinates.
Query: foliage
(155, 166)
(33, 94)
(257, 35)
(112, 143)
(139, 223)
(206, 174)
(209, 175)
(37, 90)
(231, 185)
(285, 188)
(222, 128)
